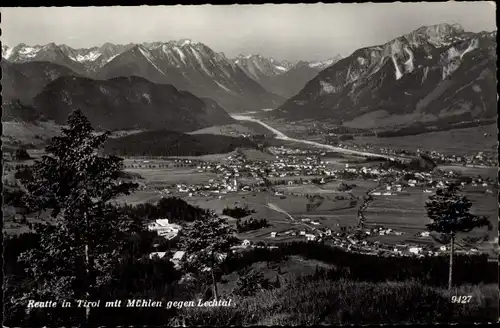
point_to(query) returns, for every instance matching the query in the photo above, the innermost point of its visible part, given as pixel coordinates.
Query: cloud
(294, 32)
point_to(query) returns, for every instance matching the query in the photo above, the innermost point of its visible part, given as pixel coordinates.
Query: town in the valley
(365, 204)
(253, 165)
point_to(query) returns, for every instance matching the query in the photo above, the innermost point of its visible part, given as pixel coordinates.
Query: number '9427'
(461, 299)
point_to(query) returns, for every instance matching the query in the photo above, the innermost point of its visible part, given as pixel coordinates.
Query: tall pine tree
(207, 241)
(450, 214)
(82, 245)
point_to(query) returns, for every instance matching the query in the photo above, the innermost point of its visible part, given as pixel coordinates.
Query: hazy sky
(293, 32)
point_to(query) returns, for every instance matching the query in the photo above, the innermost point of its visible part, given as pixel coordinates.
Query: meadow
(405, 212)
(235, 129)
(330, 213)
(350, 302)
(321, 285)
(485, 172)
(458, 141)
(25, 133)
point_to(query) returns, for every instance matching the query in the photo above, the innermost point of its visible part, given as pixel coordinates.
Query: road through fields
(281, 136)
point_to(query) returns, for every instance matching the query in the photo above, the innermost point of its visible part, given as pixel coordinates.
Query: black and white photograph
(250, 165)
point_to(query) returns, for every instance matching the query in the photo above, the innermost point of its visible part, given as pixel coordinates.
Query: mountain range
(281, 77)
(24, 80)
(84, 60)
(434, 73)
(194, 67)
(186, 64)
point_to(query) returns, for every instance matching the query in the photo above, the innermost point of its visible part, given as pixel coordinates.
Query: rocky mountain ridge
(433, 73)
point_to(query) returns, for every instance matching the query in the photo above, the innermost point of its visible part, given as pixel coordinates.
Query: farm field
(291, 204)
(294, 265)
(330, 189)
(15, 133)
(172, 175)
(251, 154)
(155, 179)
(403, 212)
(295, 178)
(140, 196)
(490, 172)
(330, 213)
(236, 129)
(218, 158)
(458, 141)
(406, 213)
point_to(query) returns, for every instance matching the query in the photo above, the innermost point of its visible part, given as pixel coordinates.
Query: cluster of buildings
(214, 186)
(164, 228)
(237, 173)
(240, 174)
(296, 163)
(479, 158)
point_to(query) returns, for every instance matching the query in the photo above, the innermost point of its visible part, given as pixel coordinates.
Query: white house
(415, 250)
(310, 236)
(159, 254)
(164, 228)
(178, 255)
(273, 234)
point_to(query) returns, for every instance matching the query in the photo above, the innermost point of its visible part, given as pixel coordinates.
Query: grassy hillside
(28, 133)
(458, 141)
(310, 301)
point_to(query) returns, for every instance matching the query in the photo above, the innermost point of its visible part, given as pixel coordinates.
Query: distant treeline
(343, 137)
(420, 128)
(237, 212)
(16, 111)
(169, 143)
(423, 163)
(172, 208)
(251, 224)
(468, 269)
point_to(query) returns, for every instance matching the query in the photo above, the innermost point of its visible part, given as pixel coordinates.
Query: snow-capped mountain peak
(80, 60)
(432, 73)
(6, 51)
(255, 65)
(322, 64)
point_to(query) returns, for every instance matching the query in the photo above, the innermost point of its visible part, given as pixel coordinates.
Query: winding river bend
(280, 135)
